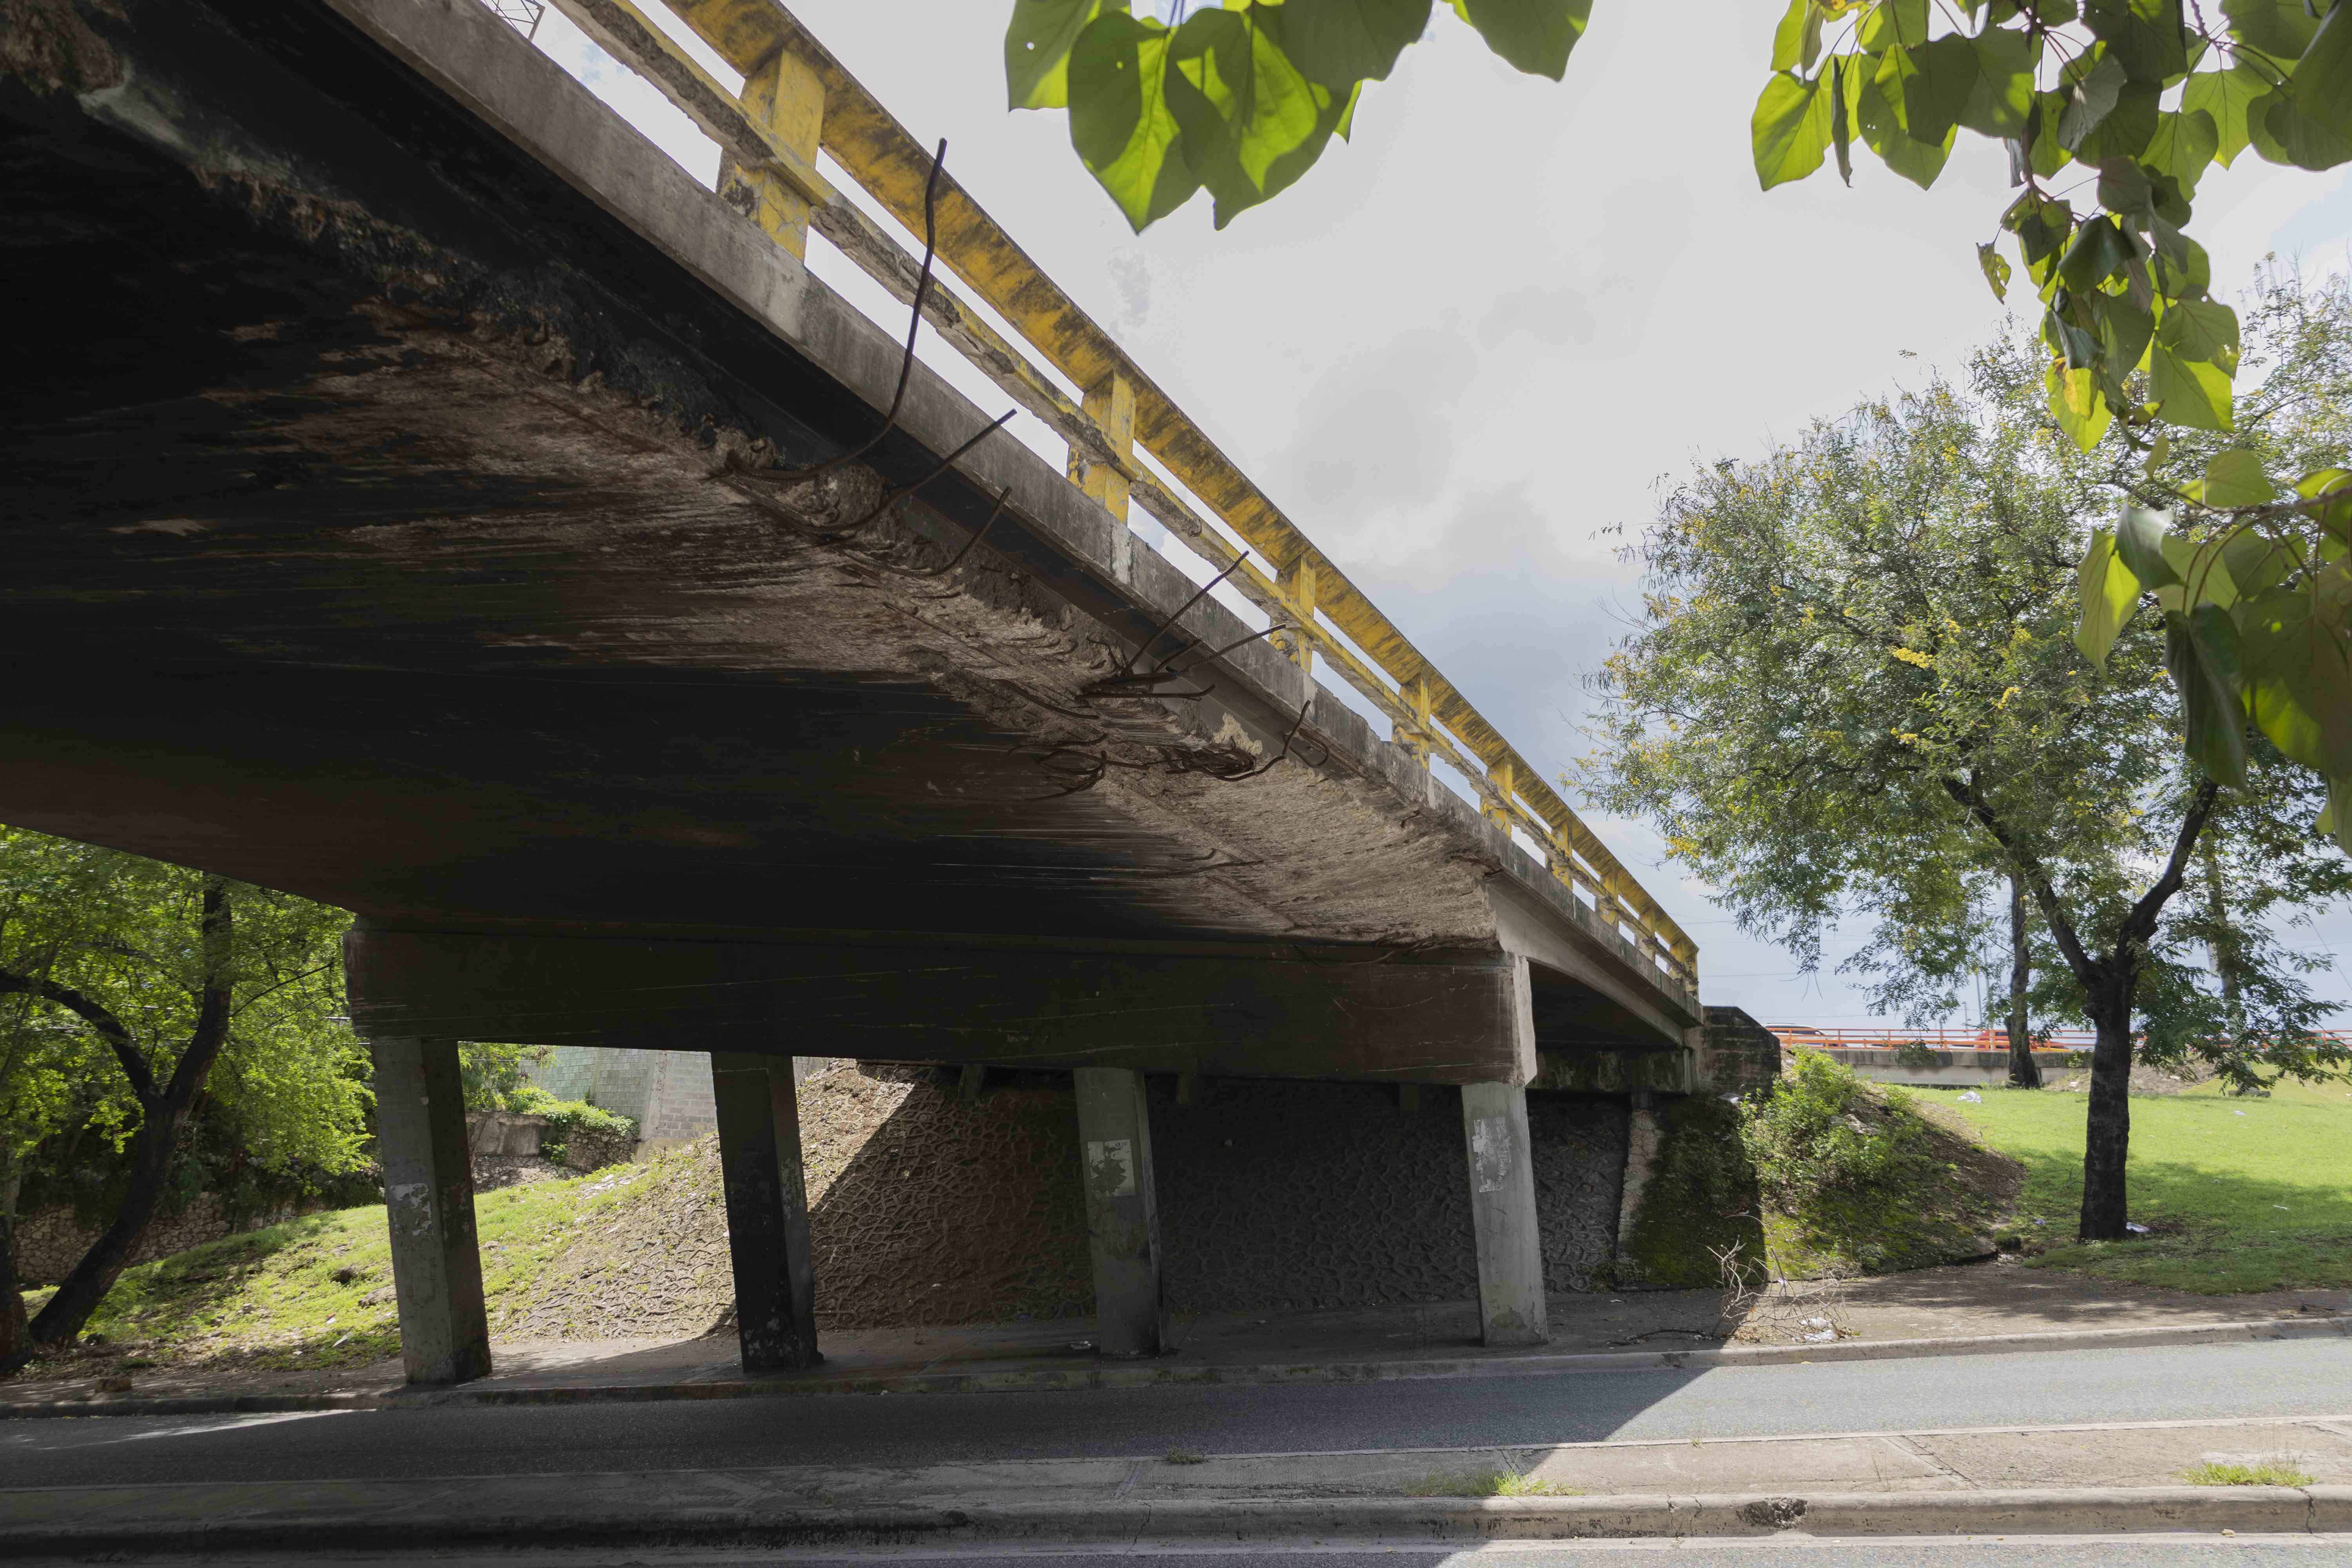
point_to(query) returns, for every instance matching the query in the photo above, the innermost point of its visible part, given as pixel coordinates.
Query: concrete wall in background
(668, 1093)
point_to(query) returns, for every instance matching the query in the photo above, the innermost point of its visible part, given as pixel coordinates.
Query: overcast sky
(1490, 327)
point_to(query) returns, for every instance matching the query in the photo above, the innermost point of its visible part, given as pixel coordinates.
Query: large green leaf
(2280, 28)
(2109, 594)
(2002, 96)
(2140, 534)
(2322, 89)
(2202, 329)
(2285, 132)
(2235, 477)
(1121, 121)
(1037, 51)
(2297, 683)
(2201, 649)
(2190, 393)
(2183, 271)
(1534, 35)
(1893, 22)
(1791, 127)
(2125, 330)
(2145, 36)
(2087, 98)
(1797, 41)
(1931, 86)
(2126, 130)
(2256, 563)
(1339, 43)
(1883, 132)
(2183, 146)
(2225, 95)
(2076, 402)
(1251, 121)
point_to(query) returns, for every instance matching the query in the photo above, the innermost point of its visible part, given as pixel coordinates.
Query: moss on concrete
(1701, 1199)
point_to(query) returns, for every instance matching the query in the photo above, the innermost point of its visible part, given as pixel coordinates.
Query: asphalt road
(2303, 1377)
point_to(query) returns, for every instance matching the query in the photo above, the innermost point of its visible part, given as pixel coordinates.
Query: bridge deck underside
(371, 538)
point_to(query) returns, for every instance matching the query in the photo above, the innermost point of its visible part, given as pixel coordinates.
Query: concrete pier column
(1122, 1213)
(1503, 1211)
(429, 1189)
(767, 1210)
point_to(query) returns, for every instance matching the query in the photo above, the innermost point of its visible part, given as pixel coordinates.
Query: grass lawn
(317, 1292)
(2240, 1194)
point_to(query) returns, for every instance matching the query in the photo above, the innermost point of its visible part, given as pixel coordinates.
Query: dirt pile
(922, 1209)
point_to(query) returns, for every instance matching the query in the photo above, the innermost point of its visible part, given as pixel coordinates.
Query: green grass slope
(2240, 1195)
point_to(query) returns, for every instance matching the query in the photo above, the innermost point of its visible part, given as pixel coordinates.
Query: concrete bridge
(424, 496)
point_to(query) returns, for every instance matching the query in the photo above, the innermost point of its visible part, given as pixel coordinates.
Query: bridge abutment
(758, 1108)
(428, 1186)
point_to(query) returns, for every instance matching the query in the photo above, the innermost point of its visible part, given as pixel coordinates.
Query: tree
(2138, 98)
(2023, 1071)
(136, 997)
(1852, 687)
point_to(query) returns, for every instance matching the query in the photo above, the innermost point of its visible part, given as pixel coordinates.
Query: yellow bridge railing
(796, 99)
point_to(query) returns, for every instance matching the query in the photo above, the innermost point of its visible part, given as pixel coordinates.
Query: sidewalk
(2080, 1478)
(1977, 1309)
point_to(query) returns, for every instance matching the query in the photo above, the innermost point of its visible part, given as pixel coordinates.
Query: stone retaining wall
(48, 1244)
(1272, 1196)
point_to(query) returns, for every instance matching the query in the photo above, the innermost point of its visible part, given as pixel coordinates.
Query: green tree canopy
(1854, 690)
(137, 999)
(2123, 104)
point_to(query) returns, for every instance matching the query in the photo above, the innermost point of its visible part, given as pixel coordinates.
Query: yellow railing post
(1497, 806)
(1111, 405)
(1414, 739)
(1296, 581)
(785, 94)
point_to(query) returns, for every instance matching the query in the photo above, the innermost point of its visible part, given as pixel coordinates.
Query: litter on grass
(1972, 1098)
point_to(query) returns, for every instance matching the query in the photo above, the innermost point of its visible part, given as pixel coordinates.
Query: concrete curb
(2103, 1511)
(1162, 1375)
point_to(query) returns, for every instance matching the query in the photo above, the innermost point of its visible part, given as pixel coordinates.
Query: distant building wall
(667, 1093)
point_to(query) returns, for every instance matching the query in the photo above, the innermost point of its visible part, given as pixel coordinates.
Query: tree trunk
(2024, 1072)
(164, 1116)
(2106, 1133)
(15, 1338)
(94, 1275)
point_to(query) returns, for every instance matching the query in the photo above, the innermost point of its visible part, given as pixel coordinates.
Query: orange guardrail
(1887, 1037)
(796, 100)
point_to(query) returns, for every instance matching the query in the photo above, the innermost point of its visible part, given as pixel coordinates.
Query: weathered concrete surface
(375, 452)
(428, 1191)
(767, 1210)
(1122, 1198)
(1503, 1218)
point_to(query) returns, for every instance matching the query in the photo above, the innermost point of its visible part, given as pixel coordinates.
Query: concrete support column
(429, 1189)
(1503, 1211)
(1643, 1133)
(767, 1210)
(1122, 1213)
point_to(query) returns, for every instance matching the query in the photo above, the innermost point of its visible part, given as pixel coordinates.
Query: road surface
(2303, 1377)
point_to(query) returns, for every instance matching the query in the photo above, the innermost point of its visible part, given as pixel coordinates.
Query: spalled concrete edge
(1149, 1376)
(2104, 1510)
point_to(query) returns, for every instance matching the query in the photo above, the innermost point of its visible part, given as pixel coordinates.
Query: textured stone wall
(950, 1212)
(1272, 1196)
(48, 1244)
